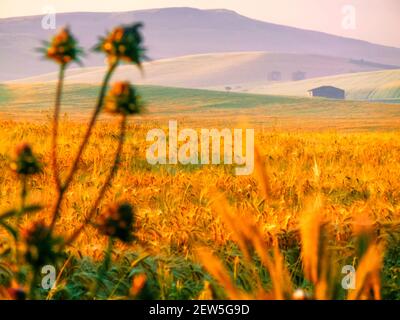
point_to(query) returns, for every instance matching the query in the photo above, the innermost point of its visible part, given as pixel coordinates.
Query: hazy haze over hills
(239, 69)
(174, 32)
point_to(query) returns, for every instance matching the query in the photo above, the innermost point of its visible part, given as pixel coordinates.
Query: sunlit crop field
(348, 181)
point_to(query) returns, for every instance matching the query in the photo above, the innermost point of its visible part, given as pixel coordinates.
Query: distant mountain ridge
(173, 32)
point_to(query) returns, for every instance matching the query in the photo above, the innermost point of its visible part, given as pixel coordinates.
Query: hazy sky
(376, 21)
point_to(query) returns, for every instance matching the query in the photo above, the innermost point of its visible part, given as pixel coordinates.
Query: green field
(377, 85)
(40, 97)
(32, 101)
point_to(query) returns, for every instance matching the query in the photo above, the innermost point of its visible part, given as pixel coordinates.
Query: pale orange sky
(377, 21)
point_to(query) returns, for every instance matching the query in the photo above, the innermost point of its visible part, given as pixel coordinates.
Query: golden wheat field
(85, 213)
(317, 201)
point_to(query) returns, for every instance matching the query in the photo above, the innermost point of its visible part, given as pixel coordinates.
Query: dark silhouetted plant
(41, 245)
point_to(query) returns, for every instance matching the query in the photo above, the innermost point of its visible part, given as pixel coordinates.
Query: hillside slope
(173, 32)
(34, 102)
(377, 85)
(219, 70)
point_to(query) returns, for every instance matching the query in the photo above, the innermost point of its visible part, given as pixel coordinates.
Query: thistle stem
(55, 169)
(106, 184)
(105, 265)
(32, 289)
(108, 255)
(88, 133)
(24, 193)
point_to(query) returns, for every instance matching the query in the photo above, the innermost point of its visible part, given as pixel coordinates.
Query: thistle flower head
(63, 48)
(117, 222)
(123, 43)
(25, 163)
(123, 99)
(40, 245)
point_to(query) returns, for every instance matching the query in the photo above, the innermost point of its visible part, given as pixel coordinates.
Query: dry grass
(307, 182)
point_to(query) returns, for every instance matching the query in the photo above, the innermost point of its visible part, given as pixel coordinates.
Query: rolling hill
(377, 85)
(33, 102)
(220, 70)
(174, 32)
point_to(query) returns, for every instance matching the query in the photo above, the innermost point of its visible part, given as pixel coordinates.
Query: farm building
(298, 75)
(327, 92)
(275, 76)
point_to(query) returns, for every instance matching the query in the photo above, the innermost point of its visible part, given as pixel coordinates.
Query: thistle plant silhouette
(41, 245)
